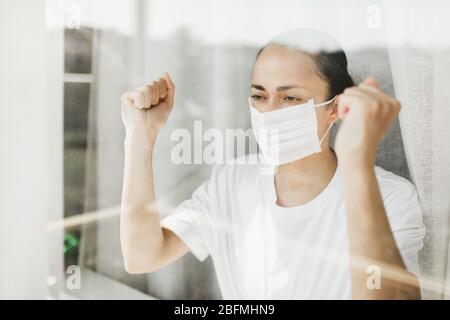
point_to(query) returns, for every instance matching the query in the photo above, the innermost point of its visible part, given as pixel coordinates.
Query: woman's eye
(291, 99)
(256, 97)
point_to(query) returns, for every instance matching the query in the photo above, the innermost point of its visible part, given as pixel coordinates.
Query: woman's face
(283, 77)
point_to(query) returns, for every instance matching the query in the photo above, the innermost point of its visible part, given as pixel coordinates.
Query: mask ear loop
(328, 130)
(325, 103)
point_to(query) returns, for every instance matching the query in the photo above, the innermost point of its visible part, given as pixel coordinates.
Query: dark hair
(330, 66)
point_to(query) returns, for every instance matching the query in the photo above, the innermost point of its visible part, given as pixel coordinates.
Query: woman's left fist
(366, 114)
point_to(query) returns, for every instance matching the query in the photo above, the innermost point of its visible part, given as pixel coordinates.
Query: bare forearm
(371, 239)
(138, 175)
(141, 233)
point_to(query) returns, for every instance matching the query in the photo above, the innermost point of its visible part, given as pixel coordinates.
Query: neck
(302, 180)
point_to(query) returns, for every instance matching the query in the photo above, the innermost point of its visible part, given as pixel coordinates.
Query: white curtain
(420, 62)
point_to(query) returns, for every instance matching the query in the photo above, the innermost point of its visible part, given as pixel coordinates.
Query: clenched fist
(367, 114)
(146, 109)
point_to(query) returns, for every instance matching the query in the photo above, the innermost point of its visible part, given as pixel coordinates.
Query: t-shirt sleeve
(406, 221)
(191, 220)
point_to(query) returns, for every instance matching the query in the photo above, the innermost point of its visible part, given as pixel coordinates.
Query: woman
(327, 224)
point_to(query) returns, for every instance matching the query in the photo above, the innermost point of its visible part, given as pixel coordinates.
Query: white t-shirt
(263, 251)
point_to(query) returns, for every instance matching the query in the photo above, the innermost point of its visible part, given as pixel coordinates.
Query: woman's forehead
(281, 66)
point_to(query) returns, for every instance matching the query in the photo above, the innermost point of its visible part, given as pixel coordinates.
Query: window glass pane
(78, 50)
(76, 104)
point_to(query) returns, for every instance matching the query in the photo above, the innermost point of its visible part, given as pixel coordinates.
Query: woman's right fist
(146, 109)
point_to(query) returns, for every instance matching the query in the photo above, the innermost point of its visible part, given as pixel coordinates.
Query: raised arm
(146, 246)
(367, 114)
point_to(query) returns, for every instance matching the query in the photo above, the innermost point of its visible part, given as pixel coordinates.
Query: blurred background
(64, 64)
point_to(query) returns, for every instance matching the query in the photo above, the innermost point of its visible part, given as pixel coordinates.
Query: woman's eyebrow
(257, 87)
(282, 88)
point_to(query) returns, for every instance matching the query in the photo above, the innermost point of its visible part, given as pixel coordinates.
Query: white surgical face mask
(287, 134)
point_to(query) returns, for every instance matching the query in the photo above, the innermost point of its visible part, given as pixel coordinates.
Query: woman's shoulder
(397, 192)
(391, 181)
